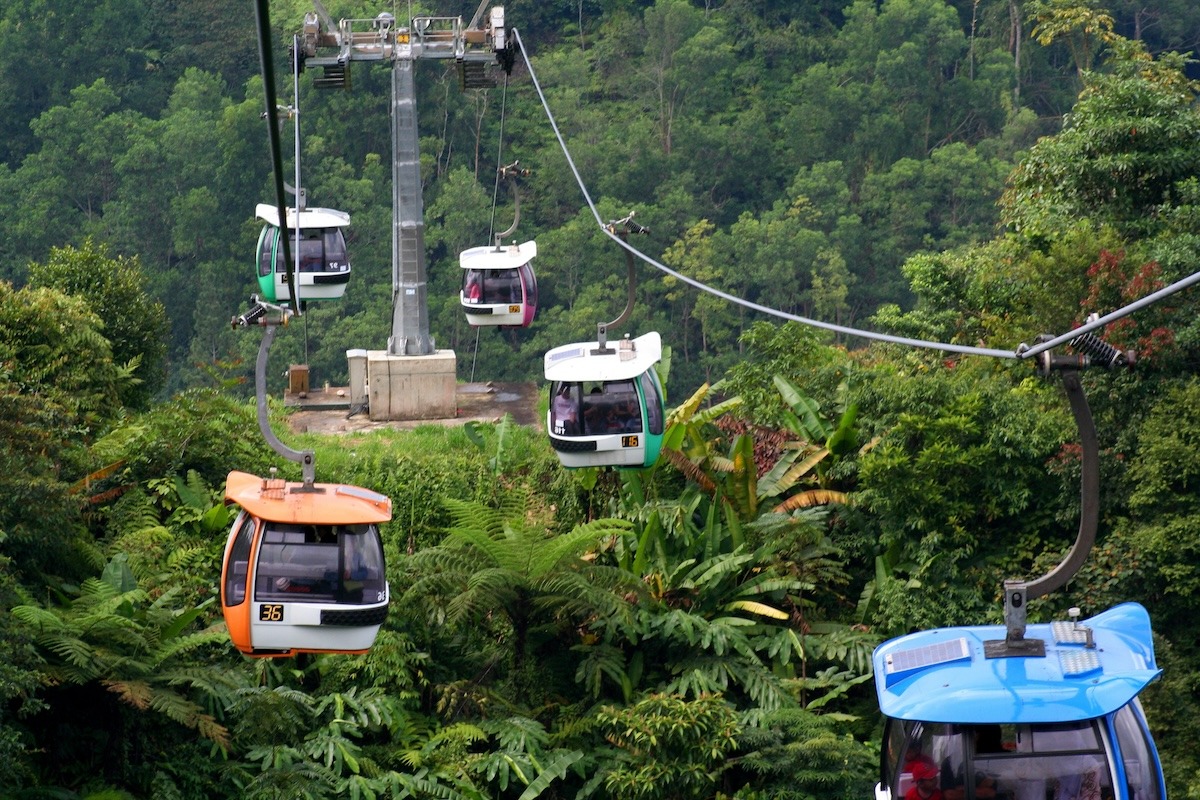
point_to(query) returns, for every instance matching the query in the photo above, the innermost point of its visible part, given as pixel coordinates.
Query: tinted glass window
(1048, 762)
(501, 286)
(335, 250)
(266, 248)
(611, 407)
(1137, 754)
(473, 286)
(530, 280)
(564, 408)
(320, 563)
(239, 562)
(1005, 762)
(652, 391)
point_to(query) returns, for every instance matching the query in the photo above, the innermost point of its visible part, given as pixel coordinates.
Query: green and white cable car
(319, 245)
(606, 403)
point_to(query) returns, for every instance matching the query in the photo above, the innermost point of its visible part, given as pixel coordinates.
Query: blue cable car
(1062, 725)
(1046, 711)
(606, 403)
(324, 267)
(499, 287)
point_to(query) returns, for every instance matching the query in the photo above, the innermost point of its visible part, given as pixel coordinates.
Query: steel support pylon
(410, 315)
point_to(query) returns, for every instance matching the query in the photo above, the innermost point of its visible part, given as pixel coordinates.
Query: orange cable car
(303, 570)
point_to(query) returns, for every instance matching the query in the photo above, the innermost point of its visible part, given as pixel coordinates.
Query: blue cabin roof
(943, 676)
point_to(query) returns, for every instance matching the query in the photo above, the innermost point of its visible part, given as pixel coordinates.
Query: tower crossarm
(381, 39)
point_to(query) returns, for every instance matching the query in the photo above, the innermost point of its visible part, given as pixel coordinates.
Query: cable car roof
(309, 217)
(577, 362)
(507, 257)
(277, 500)
(943, 676)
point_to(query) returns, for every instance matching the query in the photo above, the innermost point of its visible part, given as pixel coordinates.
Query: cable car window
(473, 286)
(611, 407)
(564, 409)
(297, 563)
(335, 251)
(919, 747)
(904, 746)
(312, 252)
(363, 578)
(239, 563)
(266, 250)
(501, 286)
(1043, 762)
(1141, 775)
(530, 282)
(277, 248)
(1063, 738)
(652, 391)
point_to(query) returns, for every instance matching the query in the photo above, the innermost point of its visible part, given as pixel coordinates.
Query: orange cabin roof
(277, 500)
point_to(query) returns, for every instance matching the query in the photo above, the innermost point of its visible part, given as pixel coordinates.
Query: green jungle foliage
(966, 171)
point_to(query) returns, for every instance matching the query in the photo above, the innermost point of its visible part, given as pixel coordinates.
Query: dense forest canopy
(972, 172)
(794, 156)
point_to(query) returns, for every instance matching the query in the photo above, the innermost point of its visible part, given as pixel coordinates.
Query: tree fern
(503, 569)
(128, 645)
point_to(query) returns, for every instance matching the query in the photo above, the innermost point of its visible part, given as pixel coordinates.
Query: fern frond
(77, 654)
(208, 727)
(178, 645)
(135, 693)
(472, 515)
(552, 769)
(38, 617)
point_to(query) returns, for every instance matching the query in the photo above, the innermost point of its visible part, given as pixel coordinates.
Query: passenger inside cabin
(564, 412)
(986, 739)
(474, 287)
(502, 286)
(612, 408)
(311, 254)
(925, 783)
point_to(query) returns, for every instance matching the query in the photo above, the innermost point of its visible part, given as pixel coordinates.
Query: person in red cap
(925, 783)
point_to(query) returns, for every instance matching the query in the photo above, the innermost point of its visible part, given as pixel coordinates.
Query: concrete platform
(327, 410)
(411, 387)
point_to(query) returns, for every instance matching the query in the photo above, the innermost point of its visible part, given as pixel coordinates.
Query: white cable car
(606, 403)
(324, 265)
(499, 287)
(303, 570)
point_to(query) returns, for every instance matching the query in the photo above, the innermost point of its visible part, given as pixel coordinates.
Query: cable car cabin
(324, 265)
(303, 571)
(1066, 725)
(499, 287)
(606, 409)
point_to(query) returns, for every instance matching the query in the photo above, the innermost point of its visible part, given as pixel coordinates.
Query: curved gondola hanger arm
(271, 317)
(510, 172)
(620, 228)
(1017, 593)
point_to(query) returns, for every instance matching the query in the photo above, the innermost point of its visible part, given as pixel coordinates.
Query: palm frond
(796, 472)
(810, 498)
(683, 412)
(552, 769)
(755, 607)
